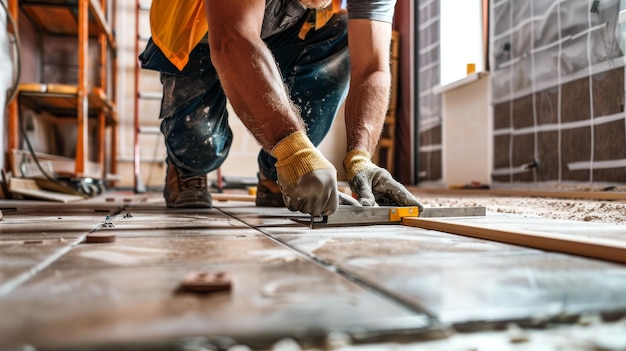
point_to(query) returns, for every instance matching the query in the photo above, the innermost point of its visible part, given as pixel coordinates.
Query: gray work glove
(374, 185)
(314, 193)
(307, 180)
(345, 199)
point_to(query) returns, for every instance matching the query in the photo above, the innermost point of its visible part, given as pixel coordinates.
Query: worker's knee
(198, 145)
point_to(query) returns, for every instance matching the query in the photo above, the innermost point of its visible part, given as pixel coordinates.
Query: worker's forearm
(254, 87)
(366, 107)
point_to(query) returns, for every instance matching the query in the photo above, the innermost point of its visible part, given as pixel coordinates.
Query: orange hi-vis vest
(179, 25)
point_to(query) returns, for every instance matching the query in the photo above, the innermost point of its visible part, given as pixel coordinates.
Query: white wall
(467, 139)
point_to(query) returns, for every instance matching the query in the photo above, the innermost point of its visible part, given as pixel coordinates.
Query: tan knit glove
(374, 185)
(306, 178)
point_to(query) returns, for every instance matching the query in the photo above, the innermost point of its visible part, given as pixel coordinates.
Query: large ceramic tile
(336, 246)
(241, 246)
(262, 217)
(21, 258)
(82, 206)
(465, 280)
(476, 288)
(77, 307)
(144, 220)
(50, 221)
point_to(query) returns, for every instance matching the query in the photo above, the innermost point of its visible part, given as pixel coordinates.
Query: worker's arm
(247, 70)
(366, 107)
(370, 82)
(254, 87)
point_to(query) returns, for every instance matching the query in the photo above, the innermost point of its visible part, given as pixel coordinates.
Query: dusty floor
(381, 287)
(597, 211)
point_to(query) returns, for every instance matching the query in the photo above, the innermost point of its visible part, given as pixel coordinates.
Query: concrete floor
(351, 288)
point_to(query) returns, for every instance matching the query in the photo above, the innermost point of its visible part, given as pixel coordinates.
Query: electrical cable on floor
(18, 56)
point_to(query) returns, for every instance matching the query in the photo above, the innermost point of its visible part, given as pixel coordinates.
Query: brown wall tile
(523, 112)
(548, 155)
(608, 92)
(502, 178)
(501, 146)
(547, 106)
(609, 141)
(502, 115)
(430, 137)
(524, 177)
(523, 149)
(610, 175)
(575, 101)
(430, 164)
(575, 147)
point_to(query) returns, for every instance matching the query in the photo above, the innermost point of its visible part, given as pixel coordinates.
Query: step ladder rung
(150, 95)
(149, 130)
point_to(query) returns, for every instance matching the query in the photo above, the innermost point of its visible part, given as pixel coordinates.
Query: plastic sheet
(557, 87)
(6, 68)
(429, 104)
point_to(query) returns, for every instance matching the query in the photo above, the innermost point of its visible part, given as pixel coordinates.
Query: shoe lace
(193, 183)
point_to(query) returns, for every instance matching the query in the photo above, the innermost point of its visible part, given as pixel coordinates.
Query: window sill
(439, 89)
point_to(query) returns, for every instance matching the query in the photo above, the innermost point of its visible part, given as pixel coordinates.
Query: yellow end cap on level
(397, 213)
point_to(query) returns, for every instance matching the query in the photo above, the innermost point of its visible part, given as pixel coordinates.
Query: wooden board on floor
(29, 187)
(604, 249)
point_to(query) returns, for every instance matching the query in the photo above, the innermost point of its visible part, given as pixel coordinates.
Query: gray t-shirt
(282, 14)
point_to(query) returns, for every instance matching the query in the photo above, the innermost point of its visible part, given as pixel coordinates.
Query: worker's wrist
(355, 161)
(296, 156)
(288, 145)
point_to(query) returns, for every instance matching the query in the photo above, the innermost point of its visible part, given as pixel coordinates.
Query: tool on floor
(356, 215)
(204, 282)
(100, 238)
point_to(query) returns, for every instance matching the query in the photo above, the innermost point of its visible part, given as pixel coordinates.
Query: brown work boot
(185, 192)
(268, 194)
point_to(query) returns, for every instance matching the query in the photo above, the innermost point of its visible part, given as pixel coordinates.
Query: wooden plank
(604, 249)
(62, 99)
(590, 195)
(30, 188)
(56, 20)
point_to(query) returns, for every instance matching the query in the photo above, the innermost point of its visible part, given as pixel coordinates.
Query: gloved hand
(374, 185)
(345, 199)
(307, 180)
